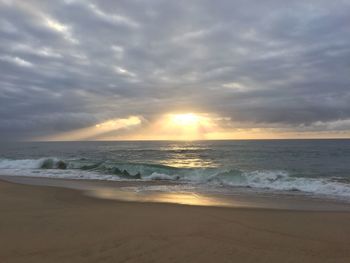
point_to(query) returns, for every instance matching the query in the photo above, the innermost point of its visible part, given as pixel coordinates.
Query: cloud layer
(273, 64)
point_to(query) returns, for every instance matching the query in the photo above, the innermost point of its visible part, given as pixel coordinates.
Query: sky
(185, 69)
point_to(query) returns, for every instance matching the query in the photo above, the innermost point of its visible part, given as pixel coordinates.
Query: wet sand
(52, 224)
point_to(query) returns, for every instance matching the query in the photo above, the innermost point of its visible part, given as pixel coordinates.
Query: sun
(186, 119)
(184, 126)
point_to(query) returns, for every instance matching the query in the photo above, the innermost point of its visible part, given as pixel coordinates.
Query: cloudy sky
(244, 69)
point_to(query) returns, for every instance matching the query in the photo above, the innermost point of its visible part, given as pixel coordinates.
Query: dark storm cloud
(70, 64)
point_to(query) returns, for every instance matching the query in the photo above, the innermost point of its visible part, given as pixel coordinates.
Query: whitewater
(212, 178)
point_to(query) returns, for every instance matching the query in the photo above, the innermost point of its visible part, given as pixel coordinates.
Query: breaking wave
(107, 170)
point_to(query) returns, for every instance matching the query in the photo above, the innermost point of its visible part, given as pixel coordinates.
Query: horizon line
(164, 140)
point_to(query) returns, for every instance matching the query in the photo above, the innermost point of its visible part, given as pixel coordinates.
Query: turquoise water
(314, 166)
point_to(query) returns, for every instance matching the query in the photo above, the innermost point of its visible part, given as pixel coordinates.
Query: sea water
(314, 167)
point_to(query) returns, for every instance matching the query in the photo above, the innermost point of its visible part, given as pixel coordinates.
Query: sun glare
(183, 126)
(186, 119)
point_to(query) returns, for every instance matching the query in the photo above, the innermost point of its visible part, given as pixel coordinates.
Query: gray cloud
(70, 64)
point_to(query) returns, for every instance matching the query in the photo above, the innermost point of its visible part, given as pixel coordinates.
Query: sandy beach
(51, 224)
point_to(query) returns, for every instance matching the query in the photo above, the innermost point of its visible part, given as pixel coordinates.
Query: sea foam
(208, 177)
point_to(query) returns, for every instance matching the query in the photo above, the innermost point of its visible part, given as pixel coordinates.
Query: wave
(107, 170)
(44, 163)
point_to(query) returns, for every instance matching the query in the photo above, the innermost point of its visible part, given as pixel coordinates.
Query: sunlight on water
(187, 156)
(183, 162)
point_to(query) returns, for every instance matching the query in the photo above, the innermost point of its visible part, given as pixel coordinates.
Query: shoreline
(182, 194)
(55, 224)
(273, 180)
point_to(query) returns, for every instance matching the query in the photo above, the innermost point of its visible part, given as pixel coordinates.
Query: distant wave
(107, 170)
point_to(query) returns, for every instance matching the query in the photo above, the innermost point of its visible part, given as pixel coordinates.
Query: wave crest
(107, 170)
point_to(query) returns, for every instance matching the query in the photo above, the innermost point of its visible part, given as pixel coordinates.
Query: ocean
(313, 167)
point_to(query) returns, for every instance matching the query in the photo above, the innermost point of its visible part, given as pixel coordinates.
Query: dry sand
(49, 224)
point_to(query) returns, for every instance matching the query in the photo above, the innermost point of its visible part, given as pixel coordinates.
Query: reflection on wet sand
(162, 197)
(134, 194)
(179, 194)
